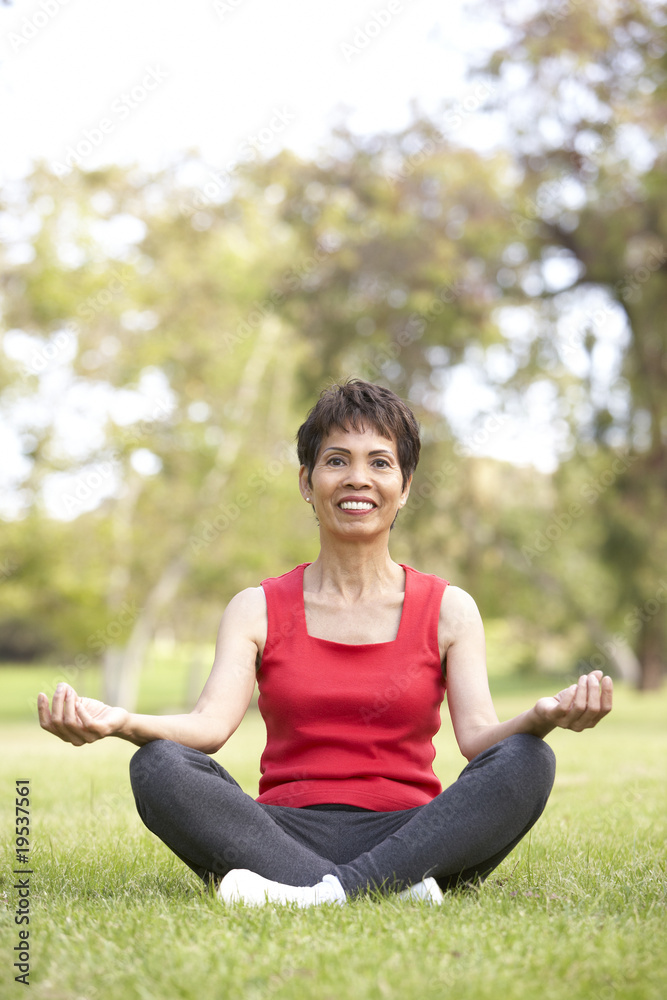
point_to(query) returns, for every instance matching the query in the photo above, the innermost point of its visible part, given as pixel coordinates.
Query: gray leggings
(204, 817)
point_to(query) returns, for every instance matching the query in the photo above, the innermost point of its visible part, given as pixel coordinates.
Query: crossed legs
(201, 813)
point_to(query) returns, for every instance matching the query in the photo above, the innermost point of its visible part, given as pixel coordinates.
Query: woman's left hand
(580, 706)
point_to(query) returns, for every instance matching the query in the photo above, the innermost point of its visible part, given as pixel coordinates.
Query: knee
(535, 757)
(149, 761)
(531, 746)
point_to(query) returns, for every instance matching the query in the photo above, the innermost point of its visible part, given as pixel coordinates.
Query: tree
(583, 89)
(200, 326)
(197, 392)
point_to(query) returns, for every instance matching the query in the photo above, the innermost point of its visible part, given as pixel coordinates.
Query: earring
(307, 499)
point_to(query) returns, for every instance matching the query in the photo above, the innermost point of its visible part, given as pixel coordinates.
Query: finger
(58, 724)
(77, 731)
(83, 714)
(57, 703)
(581, 695)
(593, 693)
(591, 715)
(91, 730)
(606, 695)
(599, 702)
(577, 709)
(43, 710)
(57, 729)
(69, 707)
(73, 738)
(566, 698)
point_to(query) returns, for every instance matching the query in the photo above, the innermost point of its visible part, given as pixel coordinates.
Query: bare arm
(218, 712)
(474, 718)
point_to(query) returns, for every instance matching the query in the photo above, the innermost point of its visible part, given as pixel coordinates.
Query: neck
(353, 570)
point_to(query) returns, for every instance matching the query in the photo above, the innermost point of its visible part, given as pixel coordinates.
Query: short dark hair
(358, 404)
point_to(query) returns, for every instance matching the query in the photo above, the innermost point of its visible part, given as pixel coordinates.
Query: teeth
(356, 505)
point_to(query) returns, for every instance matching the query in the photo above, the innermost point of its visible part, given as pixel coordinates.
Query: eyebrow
(376, 451)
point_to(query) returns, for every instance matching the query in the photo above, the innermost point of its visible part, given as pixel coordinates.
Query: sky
(170, 76)
(138, 82)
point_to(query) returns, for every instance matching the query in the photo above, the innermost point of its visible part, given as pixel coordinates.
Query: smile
(356, 505)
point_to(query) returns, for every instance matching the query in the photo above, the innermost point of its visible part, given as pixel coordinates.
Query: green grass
(168, 681)
(577, 912)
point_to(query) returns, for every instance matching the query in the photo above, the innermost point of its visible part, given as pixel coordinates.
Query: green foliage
(586, 125)
(396, 257)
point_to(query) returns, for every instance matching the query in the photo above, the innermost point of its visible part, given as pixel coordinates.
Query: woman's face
(356, 482)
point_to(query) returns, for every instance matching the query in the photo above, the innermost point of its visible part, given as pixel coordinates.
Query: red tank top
(351, 724)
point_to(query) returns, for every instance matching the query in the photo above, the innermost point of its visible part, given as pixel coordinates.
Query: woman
(351, 654)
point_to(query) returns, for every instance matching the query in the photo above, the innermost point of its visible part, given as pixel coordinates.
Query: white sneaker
(428, 889)
(240, 885)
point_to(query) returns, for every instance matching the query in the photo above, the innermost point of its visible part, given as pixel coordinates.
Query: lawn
(577, 911)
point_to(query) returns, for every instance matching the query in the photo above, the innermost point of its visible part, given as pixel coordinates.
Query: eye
(384, 464)
(334, 458)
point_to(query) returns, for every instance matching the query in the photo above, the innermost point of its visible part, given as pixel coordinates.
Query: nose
(357, 479)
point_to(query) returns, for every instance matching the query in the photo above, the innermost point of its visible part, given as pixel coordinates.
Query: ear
(406, 492)
(305, 486)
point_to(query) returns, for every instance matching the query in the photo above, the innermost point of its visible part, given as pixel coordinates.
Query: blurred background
(210, 214)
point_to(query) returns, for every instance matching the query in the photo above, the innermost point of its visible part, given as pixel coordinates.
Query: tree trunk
(123, 668)
(619, 655)
(122, 673)
(651, 656)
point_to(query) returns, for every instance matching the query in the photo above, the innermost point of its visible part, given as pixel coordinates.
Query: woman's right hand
(79, 720)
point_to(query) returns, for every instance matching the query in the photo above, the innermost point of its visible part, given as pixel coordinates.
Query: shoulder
(423, 584)
(247, 604)
(246, 613)
(459, 602)
(459, 615)
(287, 578)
